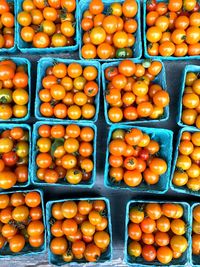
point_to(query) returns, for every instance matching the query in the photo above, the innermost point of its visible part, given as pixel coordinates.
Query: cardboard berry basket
(137, 47)
(14, 48)
(164, 138)
(160, 79)
(83, 184)
(185, 258)
(195, 259)
(27, 250)
(27, 64)
(28, 47)
(43, 64)
(145, 42)
(181, 189)
(106, 257)
(188, 68)
(6, 126)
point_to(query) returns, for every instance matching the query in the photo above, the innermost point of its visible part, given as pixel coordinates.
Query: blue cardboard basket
(27, 250)
(188, 68)
(182, 189)
(83, 184)
(185, 258)
(28, 48)
(43, 64)
(164, 138)
(160, 79)
(137, 48)
(195, 259)
(14, 48)
(145, 42)
(6, 126)
(26, 62)
(57, 260)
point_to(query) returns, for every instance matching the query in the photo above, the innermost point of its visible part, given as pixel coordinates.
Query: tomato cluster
(14, 157)
(187, 171)
(157, 231)
(47, 23)
(131, 93)
(14, 94)
(79, 230)
(173, 28)
(191, 100)
(134, 158)
(196, 231)
(7, 24)
(65, 154)
(69, 91)
(109, 33)
(21, 221)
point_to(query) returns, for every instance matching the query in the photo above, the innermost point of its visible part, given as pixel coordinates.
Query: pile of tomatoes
(196, 231)
(109, 33)
(134, 158)
(21, 221)
(69, 91)
(157, 231)
(14, 94)
(79, 230)
(191, 100)
(131, 93)
(187, 171)
(65, 154)
(173, 28)
(7, 24)
(14, 157)
(47, 23)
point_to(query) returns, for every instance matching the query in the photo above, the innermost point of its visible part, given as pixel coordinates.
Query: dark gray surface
(117, 198)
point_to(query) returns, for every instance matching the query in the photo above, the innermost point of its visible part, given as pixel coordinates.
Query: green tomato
(146, 63)
(129, 52)
(118, 134)
(22, 149)
(121, 53)
(5, 96)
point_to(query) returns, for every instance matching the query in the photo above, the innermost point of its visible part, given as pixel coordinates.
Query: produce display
(69, 91)
(14, 94)
(187, 171)
(7, 24)
(191, 101)
(47, 23)
(109, 29)
(173, 28)
(196, 232)
(157, 232)
(79, 231)
(63, 148)
(133, 93)
(65, 154)
(22, 228)
(134, 158)
(14, 157)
